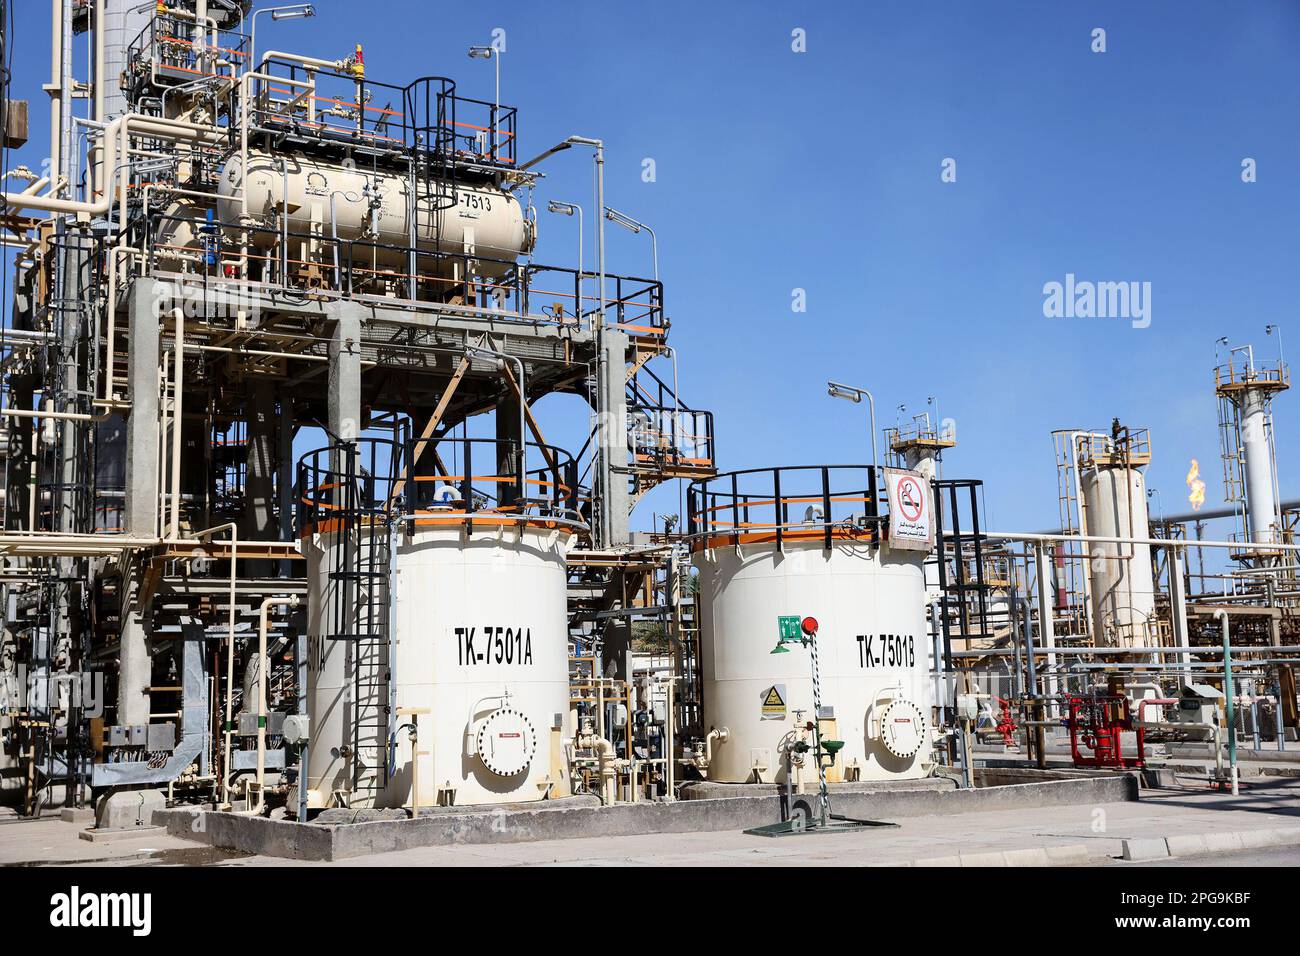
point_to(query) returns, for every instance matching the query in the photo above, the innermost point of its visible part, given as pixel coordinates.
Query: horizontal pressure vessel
(375, 207)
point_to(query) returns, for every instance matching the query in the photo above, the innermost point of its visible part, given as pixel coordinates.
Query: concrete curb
(1202, 844)
(1071, 854)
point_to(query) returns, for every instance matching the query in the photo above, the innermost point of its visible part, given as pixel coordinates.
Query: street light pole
(569, 209)
(493, 54)
(1281, 358)
(293, 11)
(855, 394)
(631, 224)
(599, 146)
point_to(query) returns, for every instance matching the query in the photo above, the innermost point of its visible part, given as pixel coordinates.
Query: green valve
(261, 721)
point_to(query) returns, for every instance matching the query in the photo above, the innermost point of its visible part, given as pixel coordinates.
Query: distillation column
(1113, 504)
(1246, 431)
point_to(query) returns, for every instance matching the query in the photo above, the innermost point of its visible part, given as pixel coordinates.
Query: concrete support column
(141, 505)
(142, 426)
(259, 484)
(507, 432)
(285, 475)
(611, 435)
(345, 373)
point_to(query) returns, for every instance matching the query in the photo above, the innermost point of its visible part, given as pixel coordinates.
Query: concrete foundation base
(98, 835)
(125, 809)
(1023, 790)
(81, 815)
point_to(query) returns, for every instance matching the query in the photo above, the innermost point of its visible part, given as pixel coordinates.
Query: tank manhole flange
(506, 742)
(902, 728)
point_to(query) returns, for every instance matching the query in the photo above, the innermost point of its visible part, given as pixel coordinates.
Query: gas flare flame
(1195, 487)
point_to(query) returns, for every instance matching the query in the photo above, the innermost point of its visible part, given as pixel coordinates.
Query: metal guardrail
(375, 478)
(781, 504)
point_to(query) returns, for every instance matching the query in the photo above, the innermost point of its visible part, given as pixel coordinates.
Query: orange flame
(1196, 487)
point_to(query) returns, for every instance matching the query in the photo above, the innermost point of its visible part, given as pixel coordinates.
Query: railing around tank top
(780, 505)
(436, 482)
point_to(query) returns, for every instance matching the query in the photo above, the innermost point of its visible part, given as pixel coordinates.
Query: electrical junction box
(1198, 704)
(274, 724)
(297, 728)
(968, 706)
(15, 131)
(160, 737)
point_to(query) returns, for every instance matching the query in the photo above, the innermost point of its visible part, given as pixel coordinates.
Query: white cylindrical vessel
(1257, 459)
(375, 207)
(477, 663)
(1120, 578)
(869, 602)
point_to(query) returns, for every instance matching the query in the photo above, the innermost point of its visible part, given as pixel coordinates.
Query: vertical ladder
(359, 577)
(1230, 452)
(370, 713)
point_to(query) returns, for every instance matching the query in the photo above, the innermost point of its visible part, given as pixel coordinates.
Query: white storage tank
(474, 658)
(869, 601)
(479, 220)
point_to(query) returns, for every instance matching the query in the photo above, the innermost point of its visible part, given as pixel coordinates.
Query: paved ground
(1189, 809)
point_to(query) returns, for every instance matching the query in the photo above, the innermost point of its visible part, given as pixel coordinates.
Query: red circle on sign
(911, 499)
(809, 625)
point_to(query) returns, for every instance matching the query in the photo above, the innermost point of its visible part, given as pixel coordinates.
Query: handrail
(332, 486)
(763, 498)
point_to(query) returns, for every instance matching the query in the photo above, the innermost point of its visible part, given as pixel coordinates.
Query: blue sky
(779, 170)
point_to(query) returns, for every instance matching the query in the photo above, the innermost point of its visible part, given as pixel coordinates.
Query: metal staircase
(668, 438)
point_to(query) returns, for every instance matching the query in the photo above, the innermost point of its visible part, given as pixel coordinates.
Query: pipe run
(263, 690)
(1229, 703)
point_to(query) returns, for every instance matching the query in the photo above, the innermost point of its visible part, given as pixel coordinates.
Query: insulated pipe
(122, 127)
(1216, 738)
(521, 456)
(307, 61)
(243, 124)
(605, 751)
(230, 650)
(263, 691)
(56, 90)
(8, 412)
(31, 335)
(670, 750)
(719, 735)
(178, 406)
(100, 85)
(1115, 539)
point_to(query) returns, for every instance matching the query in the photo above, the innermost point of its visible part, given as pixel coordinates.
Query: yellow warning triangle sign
(773, 699)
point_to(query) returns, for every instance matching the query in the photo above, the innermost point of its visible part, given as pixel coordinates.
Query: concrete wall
(309, 841)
